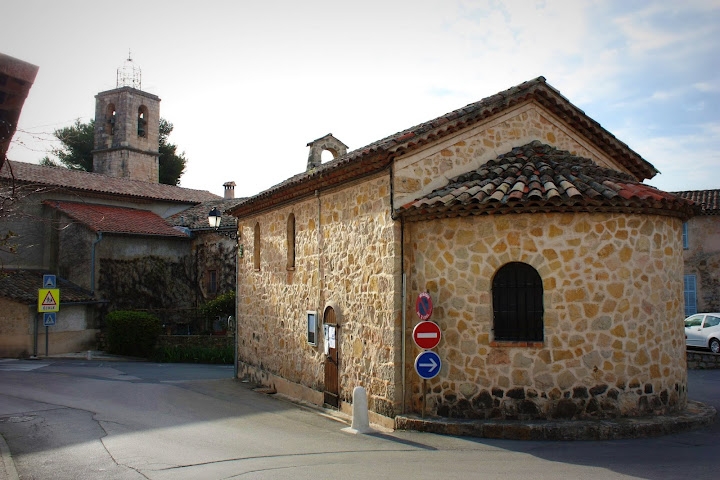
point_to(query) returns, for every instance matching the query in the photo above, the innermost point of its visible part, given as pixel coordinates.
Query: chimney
(329, 143)
(229, 190)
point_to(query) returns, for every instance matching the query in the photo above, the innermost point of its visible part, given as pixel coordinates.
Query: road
(72, 419)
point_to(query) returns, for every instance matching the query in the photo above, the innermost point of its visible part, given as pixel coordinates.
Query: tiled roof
(101, 184)
(23, 285)
(110, 219)
(540, 178)
(378, 155)
(196, 218)
(707, 200)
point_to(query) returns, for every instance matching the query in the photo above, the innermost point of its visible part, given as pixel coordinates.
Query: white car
(703, 330)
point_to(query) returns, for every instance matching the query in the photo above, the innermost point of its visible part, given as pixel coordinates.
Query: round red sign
(426, 335)
(424, 306)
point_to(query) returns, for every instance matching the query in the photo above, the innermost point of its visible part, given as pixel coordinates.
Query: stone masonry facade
(613, 309)
(346, 254)
(702, 259)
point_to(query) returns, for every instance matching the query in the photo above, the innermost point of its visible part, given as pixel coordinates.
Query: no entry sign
(426, 335)
(424, 306)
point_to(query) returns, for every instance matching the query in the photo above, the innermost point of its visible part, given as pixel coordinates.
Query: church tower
(127, 129)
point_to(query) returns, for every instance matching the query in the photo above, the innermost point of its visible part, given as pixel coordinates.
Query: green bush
(193, 354)
(132, 333)
(221, 306)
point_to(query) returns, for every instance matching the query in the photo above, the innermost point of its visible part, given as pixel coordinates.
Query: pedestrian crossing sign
(48, 300)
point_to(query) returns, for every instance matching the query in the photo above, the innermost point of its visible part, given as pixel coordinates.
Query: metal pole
(424, 397)
(237, 298)
(46, 340)
(35, 335)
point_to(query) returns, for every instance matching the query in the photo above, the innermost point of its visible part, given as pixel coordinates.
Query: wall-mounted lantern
(214, 218)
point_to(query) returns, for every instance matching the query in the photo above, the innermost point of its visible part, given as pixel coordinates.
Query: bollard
(89, 355)
(360, 420)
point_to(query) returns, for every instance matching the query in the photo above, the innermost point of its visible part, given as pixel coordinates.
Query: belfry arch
(326, 143)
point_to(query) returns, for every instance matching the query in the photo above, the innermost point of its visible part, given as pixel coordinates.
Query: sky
(248, 84)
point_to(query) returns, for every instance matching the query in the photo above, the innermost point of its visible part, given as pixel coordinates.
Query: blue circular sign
(428, 364)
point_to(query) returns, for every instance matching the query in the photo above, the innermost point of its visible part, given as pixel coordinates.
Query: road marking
(11, 365)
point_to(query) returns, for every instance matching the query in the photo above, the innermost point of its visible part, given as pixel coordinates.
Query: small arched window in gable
(110, 118)
(517, 293)
(291, 241)
(256, 247)
(142, 121)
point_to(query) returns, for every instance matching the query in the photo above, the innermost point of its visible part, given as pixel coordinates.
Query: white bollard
(360, 419)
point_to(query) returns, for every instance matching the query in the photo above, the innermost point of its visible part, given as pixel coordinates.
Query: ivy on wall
(149, 282)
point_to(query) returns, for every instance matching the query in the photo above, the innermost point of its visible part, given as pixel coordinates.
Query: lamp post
(214, 218)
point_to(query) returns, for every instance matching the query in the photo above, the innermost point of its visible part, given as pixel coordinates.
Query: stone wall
(73, 331)
(613, 311)
(698, 360)
(702, 259)
(428, 169)
(347, 253)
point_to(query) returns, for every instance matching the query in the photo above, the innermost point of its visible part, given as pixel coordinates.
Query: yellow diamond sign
(48, 299)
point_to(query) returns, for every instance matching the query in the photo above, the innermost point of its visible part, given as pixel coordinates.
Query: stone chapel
(556, 275)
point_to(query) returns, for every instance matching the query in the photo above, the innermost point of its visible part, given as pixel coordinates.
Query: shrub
(132, 333)
(221, 306)
(195, 354)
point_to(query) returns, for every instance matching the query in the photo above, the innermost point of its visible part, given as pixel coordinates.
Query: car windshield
(693, 321)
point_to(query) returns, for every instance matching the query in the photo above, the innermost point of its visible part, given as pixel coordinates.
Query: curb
(696, 415)
(7, 465)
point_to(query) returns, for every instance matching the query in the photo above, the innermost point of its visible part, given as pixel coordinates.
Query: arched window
(291, 241)
(110, 119)
(142, 121)
(256, 247)
(517, 293)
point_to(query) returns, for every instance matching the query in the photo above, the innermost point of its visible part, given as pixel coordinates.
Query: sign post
(48, 305)
(426, 336)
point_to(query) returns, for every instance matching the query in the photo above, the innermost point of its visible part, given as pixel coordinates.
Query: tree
(172, 165)
(78, 141)
(77, 145)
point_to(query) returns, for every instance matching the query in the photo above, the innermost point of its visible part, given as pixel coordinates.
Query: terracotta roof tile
(538, 177)
(111, 219)
(101, 184)
(707, 200)
(23, 285)
(196, 218)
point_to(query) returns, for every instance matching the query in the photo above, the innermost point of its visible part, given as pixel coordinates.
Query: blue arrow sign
(49, 319)
(427, 364)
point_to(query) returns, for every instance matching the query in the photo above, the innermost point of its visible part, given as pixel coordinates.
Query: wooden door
(332, 360)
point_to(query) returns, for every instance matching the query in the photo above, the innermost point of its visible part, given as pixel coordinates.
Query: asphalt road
(110, 420)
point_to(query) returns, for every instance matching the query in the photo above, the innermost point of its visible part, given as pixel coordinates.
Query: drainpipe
(92, 263)
(403, 293)
(237, 297)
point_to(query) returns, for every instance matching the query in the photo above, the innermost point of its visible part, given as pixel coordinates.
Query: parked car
(703, 330)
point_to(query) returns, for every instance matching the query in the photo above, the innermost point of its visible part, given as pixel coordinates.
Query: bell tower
(127, 129)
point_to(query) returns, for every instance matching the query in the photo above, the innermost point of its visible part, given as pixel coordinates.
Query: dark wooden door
(332, 361)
